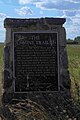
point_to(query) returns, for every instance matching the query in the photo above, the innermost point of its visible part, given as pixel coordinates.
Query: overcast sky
(69, 9)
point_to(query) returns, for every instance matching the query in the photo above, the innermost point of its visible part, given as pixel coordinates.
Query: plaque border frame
(40, 31)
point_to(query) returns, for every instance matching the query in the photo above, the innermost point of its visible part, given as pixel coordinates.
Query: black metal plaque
(35, 62)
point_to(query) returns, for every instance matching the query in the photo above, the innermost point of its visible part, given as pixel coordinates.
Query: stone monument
(36, 78)
(35, 56)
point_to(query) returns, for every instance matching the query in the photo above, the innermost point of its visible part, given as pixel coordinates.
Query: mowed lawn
(74, 66)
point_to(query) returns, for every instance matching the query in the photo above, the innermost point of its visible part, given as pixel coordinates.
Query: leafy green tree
(77, 39)
(71, 41)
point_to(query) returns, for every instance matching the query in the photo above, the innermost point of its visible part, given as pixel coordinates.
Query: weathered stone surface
(63, 58)
(8, 36)
(62, 37)
(54, 25)
(65, 84)
(12, 22)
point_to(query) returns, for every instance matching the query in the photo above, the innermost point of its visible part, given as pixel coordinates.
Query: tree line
(76, 40)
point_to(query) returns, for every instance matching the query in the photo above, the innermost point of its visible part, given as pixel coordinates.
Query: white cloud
(72, 30)
(70, 13)
(59, 5)
(24, 1)
(74, 1)
(9, 2)
(24, 11)
(54, 4)
(2, 15)
(29, 1)
(2, 30)
(72, 18)
(72, 24)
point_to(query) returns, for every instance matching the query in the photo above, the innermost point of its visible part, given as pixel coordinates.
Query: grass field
(74, 68)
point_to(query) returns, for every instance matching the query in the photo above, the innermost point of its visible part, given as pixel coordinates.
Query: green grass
(1, 59)
(74, 69)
